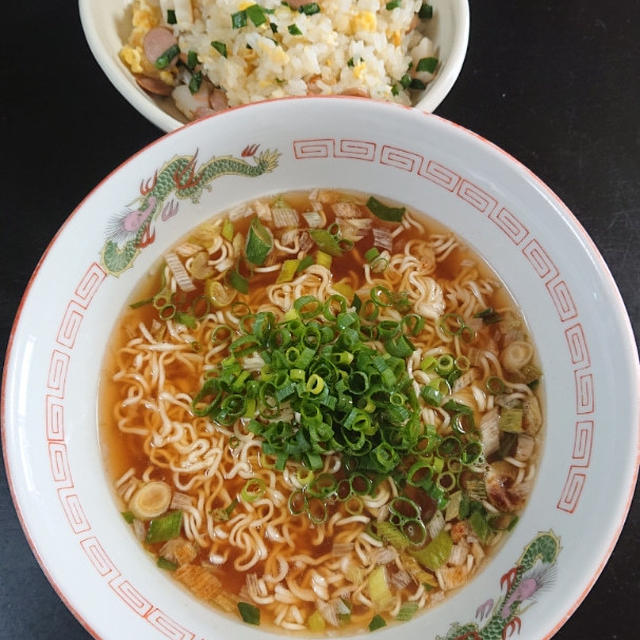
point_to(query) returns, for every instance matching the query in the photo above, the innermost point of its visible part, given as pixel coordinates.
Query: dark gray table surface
(556, 84)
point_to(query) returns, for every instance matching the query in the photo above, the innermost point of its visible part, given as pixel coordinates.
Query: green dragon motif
(533, 571)
(131, 231)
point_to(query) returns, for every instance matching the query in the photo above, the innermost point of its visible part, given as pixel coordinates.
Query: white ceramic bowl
(588, 468)
(107, 24)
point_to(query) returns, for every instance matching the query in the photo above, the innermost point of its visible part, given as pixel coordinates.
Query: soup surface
(320, 412)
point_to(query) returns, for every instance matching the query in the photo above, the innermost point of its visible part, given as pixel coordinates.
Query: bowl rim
(438, 90)
(627, 338)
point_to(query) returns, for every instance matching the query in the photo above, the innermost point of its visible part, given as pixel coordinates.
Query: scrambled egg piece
(396, 38)
(145, 17)
(131, 57)
(244, 5)
(358, 69)
(363, 21)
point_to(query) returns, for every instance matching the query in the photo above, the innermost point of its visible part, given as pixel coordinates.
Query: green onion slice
(163, 563)
(220, 47)
(164, 60)
(382, 211)
(426, 12)
(427, 64)
(165, 528)
(326, 242)
(238, 282)
(249, 613)
(377, 622)
(239, 19)
(259, 243)
(310, 8)
(407, 611)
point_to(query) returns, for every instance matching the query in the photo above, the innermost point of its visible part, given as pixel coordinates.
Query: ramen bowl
(494, 205)
(107, 24)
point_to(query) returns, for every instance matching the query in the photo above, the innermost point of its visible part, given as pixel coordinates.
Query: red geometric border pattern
(439, 174)
(89, 285)
(356, 149)
(572, 489)
(73, 511)
(99, 558)
(509, 223)
(477, 198)
(318, 148)
(570, 496)
(561, 296)
(578, 350)
(400, 159)
(539, 259)
(70, 325)
(163, 623)
(54, 418)
(130, 596)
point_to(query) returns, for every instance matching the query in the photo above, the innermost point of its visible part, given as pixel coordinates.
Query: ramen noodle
(320, 413)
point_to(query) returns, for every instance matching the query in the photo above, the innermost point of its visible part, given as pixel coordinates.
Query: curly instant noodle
(322, 414)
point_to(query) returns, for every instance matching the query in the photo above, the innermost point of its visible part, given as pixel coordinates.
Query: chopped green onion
(163, 563)
(294, 30)
(495, 386)
(239, 19)
(195, 82)
(326, 242)
(350, 62)
(238, 282)
(259, 243)
(511, 420)
(371, 254)
(479, 524)
(192, 60)
(249, 613)
(164, 528)
(140, 303)
(324, 259)
(377, 622)
(171, 16)
(256, 14)
(407, 611)
(394, 90)
(288, 271)
(436, 553)
(164, 60)
(432, 396)
(227, 230)
(445, 365)
(488, 316)
(186, 319)
(427, 64)
(220, 47)
(417, 84)
(310, 8)
(253, 490)
(426, 12)
(316, 623)
(382, 211)
(307, 261)
(128, 516)
(394, 4)
(405, 81)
